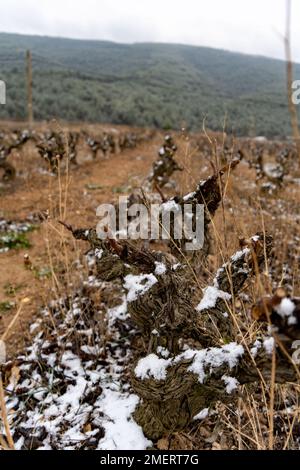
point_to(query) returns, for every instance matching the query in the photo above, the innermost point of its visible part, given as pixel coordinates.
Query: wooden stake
(29, 88)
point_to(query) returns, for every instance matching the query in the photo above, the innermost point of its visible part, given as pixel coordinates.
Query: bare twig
(4, 417)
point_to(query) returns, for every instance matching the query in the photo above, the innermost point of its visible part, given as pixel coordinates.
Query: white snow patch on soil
(269, 344)
(256, 346)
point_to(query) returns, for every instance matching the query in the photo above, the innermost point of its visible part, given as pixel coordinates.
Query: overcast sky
(250, 26)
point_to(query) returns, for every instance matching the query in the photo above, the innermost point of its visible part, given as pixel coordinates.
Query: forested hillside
(160, 85)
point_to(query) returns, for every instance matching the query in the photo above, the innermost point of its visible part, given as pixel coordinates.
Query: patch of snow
(273, 170)
(19, 444)
(230, 382)
(152, 366)
(164, 352)
(34, 326)
(119, 312)
(90, 258)
(269, 344)
(256, 346)
(260, 138)
(285, 308)
(239, 254)
(92, 281)
(138, 285)
(202, 414)
(98, 253)
(92, 350)
(169, 206)
(160, 268)
(189, 196)
(176, 266)
(72, 400)
(211, 358)
(292, 320)
(121, 431)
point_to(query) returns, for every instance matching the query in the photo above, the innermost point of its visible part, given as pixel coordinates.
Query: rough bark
(208, 193)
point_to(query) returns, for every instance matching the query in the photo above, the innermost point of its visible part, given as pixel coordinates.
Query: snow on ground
(17, 227)
(68, 390)
(205, 360)
(255, 348)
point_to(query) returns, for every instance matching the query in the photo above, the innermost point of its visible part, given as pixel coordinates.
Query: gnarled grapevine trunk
(189, 354)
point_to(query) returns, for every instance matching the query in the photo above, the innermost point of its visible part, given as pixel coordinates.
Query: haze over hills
(163, 85)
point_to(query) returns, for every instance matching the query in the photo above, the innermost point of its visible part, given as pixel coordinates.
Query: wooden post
(29, 88)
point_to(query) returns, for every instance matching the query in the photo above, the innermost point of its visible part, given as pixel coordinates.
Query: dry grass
(251, 425)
